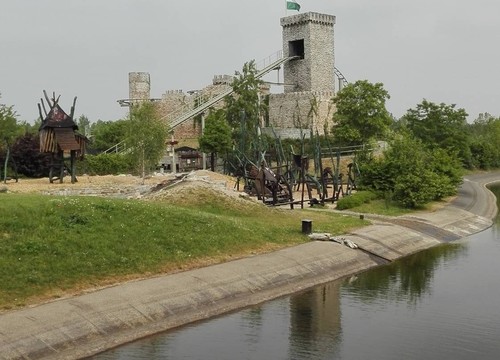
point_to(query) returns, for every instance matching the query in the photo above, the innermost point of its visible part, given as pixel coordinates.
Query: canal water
(443, 303)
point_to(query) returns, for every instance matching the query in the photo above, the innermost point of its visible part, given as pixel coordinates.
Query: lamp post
(172, 144)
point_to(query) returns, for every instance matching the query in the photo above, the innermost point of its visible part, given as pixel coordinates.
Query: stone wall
(176, 102)
(293, 110)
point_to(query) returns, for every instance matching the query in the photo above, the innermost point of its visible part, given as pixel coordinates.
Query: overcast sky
(441, 50)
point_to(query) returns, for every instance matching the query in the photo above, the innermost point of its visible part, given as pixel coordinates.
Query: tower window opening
(296, 48)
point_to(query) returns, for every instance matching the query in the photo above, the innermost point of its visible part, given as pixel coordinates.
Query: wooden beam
(73, 109)
(47, 98)
(40, 111)
(44, 109)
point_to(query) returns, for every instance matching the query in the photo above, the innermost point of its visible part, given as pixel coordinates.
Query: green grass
(382, 207)
(52, 246)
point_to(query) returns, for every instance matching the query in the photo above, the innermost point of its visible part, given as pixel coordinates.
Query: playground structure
(59, 137)
(289, 179)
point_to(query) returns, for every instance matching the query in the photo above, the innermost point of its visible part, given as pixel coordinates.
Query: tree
(9, 130)
(216, 137)
(411, 173)
(146, 136)
(244, 108)
(441, 126)
(485, 142)
(106, 134)
(361, 114)
(83, 123)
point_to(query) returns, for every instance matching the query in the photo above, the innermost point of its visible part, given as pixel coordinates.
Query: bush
(356, 199)
(107, 164)
(29, 160)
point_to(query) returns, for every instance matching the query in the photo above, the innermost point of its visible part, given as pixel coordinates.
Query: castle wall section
(175, 102)
(305, 110)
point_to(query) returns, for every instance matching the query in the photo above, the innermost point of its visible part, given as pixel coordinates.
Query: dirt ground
(43, 184)
(158, 186)
(85, 182)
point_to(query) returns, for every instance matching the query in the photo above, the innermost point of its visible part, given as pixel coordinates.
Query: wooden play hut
(59, 137)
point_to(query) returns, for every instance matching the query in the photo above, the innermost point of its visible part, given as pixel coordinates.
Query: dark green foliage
(29, 160)
(441, 126)
(361, 115)
(485, 142)
(216, 136)
(355, 200)
(107, 164)
(106, 134)
(414, 174)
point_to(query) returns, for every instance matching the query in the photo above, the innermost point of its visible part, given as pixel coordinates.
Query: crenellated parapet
(172, 92)
(309, 17)
(222, 80)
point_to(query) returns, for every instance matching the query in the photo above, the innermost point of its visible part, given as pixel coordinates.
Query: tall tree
(9, 130)
(216, 137)
(361, 114)
(244, 108)
(146, 136)
(441, 126)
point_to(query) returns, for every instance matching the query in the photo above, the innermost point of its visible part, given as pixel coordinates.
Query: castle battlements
(222, 79)
(300, 94)
(310, 17)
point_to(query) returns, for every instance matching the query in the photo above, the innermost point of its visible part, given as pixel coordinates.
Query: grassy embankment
(54, 246)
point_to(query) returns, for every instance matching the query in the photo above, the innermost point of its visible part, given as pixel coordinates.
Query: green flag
(292, 5)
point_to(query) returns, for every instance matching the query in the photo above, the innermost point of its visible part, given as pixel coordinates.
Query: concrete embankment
(81, 326)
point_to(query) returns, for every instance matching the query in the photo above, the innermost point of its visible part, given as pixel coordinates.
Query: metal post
(202, 132)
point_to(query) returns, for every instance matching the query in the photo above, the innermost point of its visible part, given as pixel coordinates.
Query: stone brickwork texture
(310, 81)
(139, 86)
(315, 71)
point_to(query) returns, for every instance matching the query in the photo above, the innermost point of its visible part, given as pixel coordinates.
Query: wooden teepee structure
(59, 136)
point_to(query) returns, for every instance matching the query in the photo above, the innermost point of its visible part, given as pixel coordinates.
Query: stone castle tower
(309, 80)
(139, 86)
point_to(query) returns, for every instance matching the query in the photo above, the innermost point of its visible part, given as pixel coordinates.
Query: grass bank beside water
(52, 246)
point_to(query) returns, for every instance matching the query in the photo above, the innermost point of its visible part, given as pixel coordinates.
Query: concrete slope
(80, 326)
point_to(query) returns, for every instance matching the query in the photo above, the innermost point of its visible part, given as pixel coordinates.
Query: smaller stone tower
(139, 86)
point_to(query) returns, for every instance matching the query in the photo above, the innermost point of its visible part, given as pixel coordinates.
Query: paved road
(81, 326)
(473, 198)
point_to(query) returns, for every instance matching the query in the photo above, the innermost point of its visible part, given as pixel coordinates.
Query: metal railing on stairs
(175, 120)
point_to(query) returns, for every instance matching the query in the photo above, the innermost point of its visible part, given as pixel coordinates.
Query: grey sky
(442, 50)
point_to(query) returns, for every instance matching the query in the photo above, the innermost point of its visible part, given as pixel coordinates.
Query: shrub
(356, 199)
(106, 164)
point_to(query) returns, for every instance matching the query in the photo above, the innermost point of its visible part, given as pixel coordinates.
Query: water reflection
(408, 278)
(315, 325)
